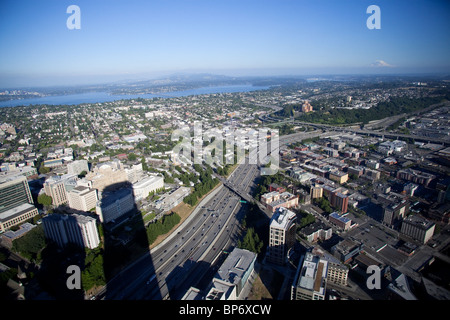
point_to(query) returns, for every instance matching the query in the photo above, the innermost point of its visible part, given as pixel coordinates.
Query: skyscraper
(14, 191)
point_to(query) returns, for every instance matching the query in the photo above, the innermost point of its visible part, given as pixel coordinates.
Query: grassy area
(267, 285)
(259, 291)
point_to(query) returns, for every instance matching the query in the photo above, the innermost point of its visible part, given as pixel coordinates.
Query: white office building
(78, 166)
(82, 198)
(142, 188)
(75, 228)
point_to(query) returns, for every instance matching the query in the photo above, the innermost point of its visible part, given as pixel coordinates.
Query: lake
(98, 97)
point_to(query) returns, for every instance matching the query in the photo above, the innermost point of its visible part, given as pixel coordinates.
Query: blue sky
(138, 39)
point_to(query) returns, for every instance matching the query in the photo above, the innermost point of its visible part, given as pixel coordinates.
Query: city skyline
(143, 39)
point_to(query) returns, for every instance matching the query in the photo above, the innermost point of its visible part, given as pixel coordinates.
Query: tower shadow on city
(55, 278)
(127, 260)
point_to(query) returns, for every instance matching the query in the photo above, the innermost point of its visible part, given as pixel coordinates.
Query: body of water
(98, 97)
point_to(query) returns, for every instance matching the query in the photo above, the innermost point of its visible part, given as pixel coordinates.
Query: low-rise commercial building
(317, 231)
(338, 176)
(172, 199)
(77, 167)
(346, 250)
(340, 221)
(232, 275)
(311, 278)
(16, 202)
(142, 188)
(274, 200)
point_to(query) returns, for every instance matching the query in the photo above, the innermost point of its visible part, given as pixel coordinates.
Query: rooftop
(336, 216)
(312, 274)
(282, 218)
(418, 222)
(235, 265)
(16, 211)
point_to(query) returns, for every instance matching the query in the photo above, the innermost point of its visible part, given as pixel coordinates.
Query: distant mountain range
(188, 81)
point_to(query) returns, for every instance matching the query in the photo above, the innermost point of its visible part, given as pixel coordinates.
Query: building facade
(16, 202)
(82, 198)
(76, 229)
(418, 228)
(311, 278)
(115, 204)
(337, 274)
(142, 188)
(282, 235)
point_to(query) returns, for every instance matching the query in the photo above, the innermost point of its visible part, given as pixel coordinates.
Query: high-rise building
(82, 198)
(339, 201)
(75, 228)
(106, 174)
(16, 202)
(282, 235)
(316, 191)
(307, 107)
(418, 228)
(57, 187)
(394, 212)
(115, 204)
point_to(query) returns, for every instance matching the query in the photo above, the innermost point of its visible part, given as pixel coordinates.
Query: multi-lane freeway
(182, 260)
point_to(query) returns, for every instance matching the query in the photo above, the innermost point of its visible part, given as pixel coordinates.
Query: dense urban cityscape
(212, 159)
(106, 187)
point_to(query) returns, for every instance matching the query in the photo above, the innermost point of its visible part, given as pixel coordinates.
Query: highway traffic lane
(161, 256)
(124, 285)
(194, 248)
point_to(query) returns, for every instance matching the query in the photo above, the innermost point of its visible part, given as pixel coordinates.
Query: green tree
(45, 200)
(31, 243)
(132, 157)
(43, 169)
(251, 241)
